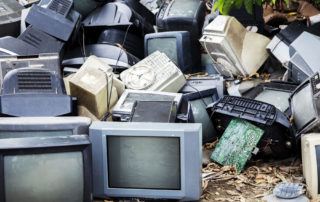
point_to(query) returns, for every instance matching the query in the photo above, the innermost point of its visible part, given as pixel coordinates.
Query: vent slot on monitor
(35, 80)
(61, 6)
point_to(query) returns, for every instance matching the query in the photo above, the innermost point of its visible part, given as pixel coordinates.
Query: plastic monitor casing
(130, 42)
(310, 163)
(195, 84)
(34, 145)
(167, 22)
(190, 158)
(314, 124)
(10, 11)
(54, 23)
(122, 110)
(34, 92)
(304, 60)
(43, 42)
(48, 61)
(188, 54)
(13, 46)
(114, 56)
(76, 125)
(230, 46)
(273, 85)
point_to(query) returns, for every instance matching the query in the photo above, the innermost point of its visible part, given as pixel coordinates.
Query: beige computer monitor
(309, 144)
(90, 84)
(235, 50)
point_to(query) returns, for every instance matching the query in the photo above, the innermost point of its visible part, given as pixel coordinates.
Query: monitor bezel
(273, 85)
(308, 146)
(314, 121)
(182, 39)
(38, 145)
(78, 124)
(99, 131)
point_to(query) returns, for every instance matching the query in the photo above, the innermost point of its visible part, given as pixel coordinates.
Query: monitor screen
(305, 113)
(164, 45)
(280, 99)
(144, 162)
(44, 177)
(184, 8)
(43, 133)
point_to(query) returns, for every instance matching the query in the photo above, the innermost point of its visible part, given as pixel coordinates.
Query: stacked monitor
(186, 15)
(45, 169)
(310, 152)
(10, 12)
(146, 160)
(304, 103)
(179, 46)
(235, 50)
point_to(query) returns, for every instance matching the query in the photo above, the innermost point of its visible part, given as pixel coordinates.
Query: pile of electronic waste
(114, 99)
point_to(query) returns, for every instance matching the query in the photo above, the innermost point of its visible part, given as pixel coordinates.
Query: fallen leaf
(232, 193)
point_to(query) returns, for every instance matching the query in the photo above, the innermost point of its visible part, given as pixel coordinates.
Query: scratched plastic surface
(237, 143)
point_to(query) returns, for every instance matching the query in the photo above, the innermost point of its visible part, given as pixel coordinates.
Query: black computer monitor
(120, 15)
(13, 46)
(182, 15)
(276, 93)
(55, 17)
(43, 42)
(179, 46)
(131, 42)
(34, 92)
(46, 169)
(10, 12)
(113, 55)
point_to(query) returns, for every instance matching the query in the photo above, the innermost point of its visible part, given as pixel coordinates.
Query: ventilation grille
(34, 81)
(61, 6)
(31, 39)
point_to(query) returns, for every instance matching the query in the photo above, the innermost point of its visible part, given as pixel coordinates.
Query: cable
(124, 40)
(109, 95)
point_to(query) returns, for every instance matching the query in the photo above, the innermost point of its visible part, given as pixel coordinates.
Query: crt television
(178, 46)
(10, 12)
(182, 15)
(46, 169)
(146, 160)
(304, 103)
(310, 152)
(18, 127)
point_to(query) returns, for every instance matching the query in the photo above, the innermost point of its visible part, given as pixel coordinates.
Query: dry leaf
(232, 193)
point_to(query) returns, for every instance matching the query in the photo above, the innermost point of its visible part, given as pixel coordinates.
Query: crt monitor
(13, 46)
(310, 153)
(10, 12)
(235, 50)
(304, 103)
(276, 93)
(46, 169)
(34, 92)
(146, 160)
(182, 15)
(118, 58)
(178, 46)
(18, 127)
(122, 111)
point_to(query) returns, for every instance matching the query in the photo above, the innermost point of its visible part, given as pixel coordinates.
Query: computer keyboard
(163, 75)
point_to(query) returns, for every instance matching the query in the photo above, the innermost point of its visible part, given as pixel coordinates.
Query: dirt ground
(258, 179)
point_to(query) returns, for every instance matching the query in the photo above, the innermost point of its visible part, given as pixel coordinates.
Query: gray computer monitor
(146, 160)
(18, 127)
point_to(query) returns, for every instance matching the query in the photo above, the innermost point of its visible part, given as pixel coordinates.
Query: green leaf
(215, 6)
(221, 4)
(274, 1)
(238, 4)
(259, 2)
(287, 3)
(227, 6)
(248, 5)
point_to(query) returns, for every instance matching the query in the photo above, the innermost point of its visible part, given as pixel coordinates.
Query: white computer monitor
(310, 152)
(147, 160)
(235, 50)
